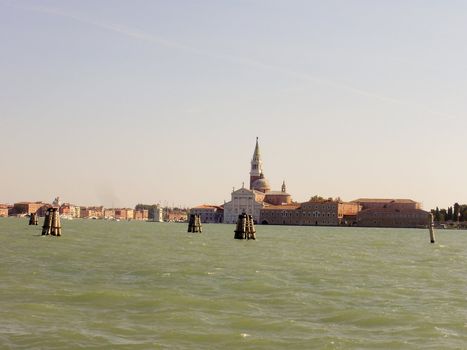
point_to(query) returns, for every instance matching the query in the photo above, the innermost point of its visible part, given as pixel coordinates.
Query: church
(257, 196)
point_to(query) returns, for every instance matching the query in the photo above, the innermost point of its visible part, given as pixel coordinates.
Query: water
(137, 285)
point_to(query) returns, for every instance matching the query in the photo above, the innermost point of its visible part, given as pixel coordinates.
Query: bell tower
(256, 166)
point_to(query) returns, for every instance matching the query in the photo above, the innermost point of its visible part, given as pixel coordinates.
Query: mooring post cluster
(52, 225)
(33, 219)
(194, 225)
(245, 227)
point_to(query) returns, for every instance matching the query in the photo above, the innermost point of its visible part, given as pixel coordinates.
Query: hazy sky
(122, 102)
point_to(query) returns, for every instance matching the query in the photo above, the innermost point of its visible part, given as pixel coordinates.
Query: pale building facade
(68, 210)
(156, 214)
(210, 214)
(243, 201)
(109, 213)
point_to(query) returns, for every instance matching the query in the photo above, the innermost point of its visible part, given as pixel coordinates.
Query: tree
(463, 212)
(449, 215)
(437, 215)
(443, 215)
(143, 206)
(316, 198)
(456, 213)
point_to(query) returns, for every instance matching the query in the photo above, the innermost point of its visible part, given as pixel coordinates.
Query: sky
(123, 102)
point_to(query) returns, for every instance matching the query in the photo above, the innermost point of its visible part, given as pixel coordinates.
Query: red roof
(282, 207)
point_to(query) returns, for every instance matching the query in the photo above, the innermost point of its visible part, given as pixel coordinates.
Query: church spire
(256, 165)
(284, 189)
(256, 154)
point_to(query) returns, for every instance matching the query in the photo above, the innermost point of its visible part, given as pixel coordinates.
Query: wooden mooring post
(245, 227)
(52, 225)
(431, 228)
(33, 219)
(194, 224)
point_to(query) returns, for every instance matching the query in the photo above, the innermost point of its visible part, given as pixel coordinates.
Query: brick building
(279, 214)
(175, 215)
(92, 212)
(4, 210)
(124, 213)
(141, 214)
(26, 208)
(401, 204)
(312, 213)
(393, 217)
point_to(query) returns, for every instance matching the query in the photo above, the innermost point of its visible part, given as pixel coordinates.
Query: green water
(137, 285)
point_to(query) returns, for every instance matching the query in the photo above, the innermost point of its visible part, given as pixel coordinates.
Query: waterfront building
(393, 217)
(314, 212)
(92, 212)
(381, 212)
(209, 214)
(156, 214)
(401, 204)
(69, 210)
(26, 208)
(141, 214)
(77, 211)
(123, 214)
(109, 213)
(284, 214)
(4, 210)
(175, 215)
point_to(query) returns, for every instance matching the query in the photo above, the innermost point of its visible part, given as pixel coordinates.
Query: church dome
(261, 185)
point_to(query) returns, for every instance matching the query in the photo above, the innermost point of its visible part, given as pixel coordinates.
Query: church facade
(243, 201)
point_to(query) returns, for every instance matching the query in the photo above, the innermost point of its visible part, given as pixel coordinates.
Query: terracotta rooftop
(282, 207)
(392, 210)
(384, 200)
(207, 206)
(30, 203)
(275, 193)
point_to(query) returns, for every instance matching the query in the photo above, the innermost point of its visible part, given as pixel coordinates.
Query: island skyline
(160, 102)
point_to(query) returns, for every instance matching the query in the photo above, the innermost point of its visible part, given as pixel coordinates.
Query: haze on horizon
(118, 102)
